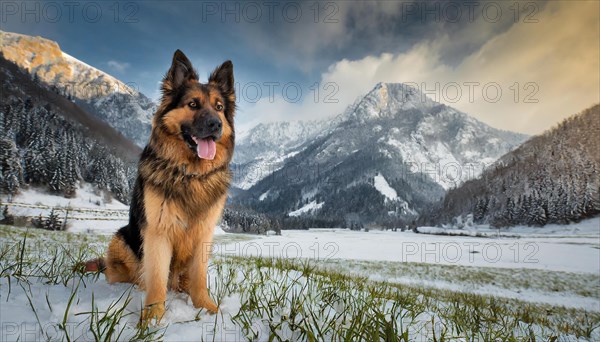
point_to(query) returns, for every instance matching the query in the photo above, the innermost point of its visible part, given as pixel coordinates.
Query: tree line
(39, 147)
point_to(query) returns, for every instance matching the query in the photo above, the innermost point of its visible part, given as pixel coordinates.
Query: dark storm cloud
(293, 40)
(302, 42)
(354, 29)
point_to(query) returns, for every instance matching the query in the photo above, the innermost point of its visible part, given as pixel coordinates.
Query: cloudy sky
(518, 66)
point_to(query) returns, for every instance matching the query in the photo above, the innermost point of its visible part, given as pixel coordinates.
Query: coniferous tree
(480, 209)
(591, 199)
(537, 214)
(119, 184)
(3, 121)
(58, 179)
(53, 152)
(7, 217)
(52, 222)
(71, 178)
(36, 170)
(11, 168)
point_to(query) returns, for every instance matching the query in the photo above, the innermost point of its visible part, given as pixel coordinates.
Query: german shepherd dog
(180, 191)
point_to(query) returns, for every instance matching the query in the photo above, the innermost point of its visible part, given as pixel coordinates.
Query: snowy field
(329, 284)
(89, 211)
(519, 263)
(524, 248)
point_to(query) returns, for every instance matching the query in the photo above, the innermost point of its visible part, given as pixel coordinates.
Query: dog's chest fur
(182, 203)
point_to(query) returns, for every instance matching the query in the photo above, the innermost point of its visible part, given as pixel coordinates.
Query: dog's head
(197, 117)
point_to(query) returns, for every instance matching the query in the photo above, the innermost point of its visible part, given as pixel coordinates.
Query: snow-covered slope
(124, 108)
(386, 190)
(88, 196)
(265, 148)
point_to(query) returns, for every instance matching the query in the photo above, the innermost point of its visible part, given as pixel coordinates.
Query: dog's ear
(222, 77)
(181, 71)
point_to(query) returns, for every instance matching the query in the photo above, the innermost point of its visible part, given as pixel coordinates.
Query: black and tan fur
(178, 197)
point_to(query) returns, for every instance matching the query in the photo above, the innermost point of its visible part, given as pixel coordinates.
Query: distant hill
(552, 178)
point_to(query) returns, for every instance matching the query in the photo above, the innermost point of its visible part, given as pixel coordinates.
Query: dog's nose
(214, 124)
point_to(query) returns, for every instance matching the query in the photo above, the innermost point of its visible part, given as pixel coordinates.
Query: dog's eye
(219, 107)
(192, 104)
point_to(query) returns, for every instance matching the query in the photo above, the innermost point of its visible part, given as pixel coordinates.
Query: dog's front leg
(156, 261)
(198, 289)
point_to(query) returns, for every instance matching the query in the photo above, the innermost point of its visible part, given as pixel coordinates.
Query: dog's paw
(152, 314)
(206, 303)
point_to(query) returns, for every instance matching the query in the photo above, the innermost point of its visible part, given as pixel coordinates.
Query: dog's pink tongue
(207, 148)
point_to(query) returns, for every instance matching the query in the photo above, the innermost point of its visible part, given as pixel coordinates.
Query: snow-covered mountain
(448, 145)
(124, 108)
(390, 154)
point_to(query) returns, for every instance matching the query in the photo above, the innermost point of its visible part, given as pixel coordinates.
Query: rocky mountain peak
(386, 100)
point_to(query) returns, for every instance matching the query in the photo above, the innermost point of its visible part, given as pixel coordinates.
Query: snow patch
(310, 207)
(384, 188)
(264, 195)
(577, 241)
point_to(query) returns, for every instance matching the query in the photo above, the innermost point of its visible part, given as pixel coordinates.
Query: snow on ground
(104, 227)
(307, 208)
(589, 227)
(18, 322)
(51, 301)
(384, 188)
(264, 195)
(372, 254)
(87, 197)
(89, 211)
(518, 260)
(568, 300)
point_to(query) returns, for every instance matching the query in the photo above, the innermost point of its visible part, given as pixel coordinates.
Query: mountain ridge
(49, 142)
(22, 87)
